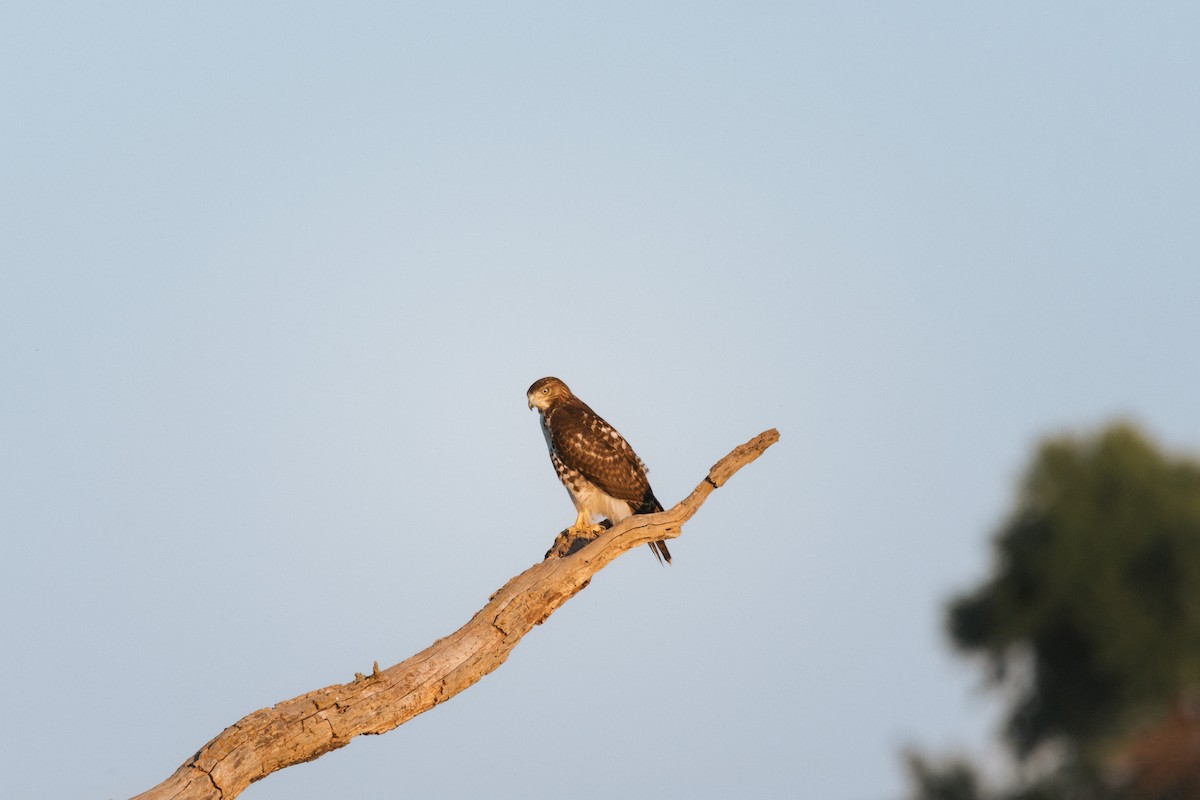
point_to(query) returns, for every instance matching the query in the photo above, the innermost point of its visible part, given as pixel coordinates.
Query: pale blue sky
(275, 280)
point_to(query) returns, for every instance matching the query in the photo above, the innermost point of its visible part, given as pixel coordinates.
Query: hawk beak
(531, 404)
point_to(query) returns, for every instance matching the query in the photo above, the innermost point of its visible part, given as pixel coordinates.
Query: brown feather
(585, 442)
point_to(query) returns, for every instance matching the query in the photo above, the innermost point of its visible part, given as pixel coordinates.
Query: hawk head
(546, 392)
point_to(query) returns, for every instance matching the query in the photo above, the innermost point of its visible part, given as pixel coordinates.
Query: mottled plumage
(603, 475)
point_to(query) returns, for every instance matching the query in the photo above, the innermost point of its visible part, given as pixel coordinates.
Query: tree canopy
(1090, 618)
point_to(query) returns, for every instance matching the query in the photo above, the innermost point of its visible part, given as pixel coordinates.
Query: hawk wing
(585, 442)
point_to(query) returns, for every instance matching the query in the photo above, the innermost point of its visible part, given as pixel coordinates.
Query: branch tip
(742, 455)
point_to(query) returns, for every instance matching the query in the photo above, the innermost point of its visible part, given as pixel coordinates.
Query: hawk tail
(650, 506)
(660, 551)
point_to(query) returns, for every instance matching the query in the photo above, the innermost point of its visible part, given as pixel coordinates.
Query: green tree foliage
(953, 780)
(1090, 620)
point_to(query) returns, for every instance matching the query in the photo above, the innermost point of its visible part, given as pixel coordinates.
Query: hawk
(603, 475)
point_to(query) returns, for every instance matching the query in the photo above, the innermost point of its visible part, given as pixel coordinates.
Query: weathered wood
(308, 726)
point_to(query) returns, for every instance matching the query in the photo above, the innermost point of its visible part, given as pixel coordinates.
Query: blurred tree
(1090, 620)
(954, 779)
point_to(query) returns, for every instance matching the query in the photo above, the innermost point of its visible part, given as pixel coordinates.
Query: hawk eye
(546, 390)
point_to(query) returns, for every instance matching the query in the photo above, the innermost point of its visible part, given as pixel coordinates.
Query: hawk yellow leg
(584, 526)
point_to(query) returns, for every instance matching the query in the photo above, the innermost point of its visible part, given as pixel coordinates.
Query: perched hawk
(603, 475)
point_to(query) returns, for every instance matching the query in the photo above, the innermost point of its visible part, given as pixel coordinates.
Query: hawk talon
(573, 539)
(592, 531)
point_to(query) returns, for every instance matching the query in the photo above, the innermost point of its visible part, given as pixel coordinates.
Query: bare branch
(308, 726)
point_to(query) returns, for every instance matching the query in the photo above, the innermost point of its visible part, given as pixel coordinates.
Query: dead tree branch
(308, 726)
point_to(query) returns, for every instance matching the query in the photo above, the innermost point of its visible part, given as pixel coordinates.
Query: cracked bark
(290, 732)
